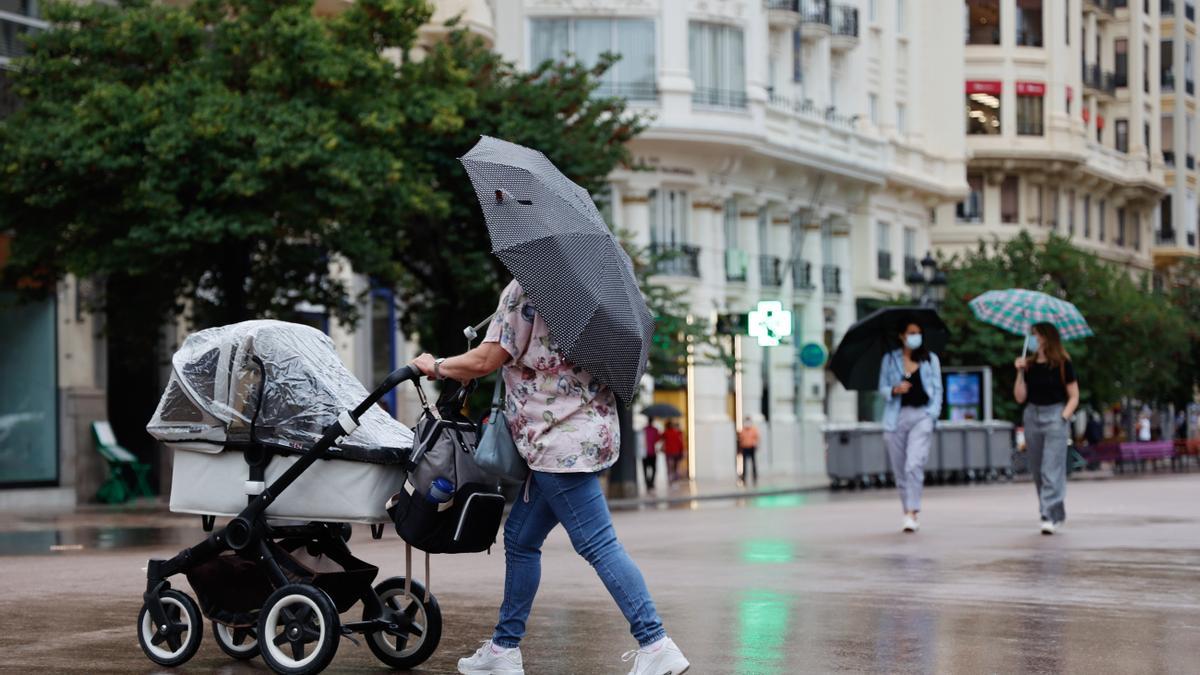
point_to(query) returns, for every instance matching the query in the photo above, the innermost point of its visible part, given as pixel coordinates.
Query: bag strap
(496, 395)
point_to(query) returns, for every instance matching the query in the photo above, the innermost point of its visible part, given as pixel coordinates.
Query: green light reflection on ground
(762, 631)
(768, 551)
(779, 501)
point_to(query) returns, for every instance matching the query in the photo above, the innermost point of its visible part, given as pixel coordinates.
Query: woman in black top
(1046, 384)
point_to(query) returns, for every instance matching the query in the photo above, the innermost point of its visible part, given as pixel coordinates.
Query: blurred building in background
(1175, 230)
(798, 151)
(1064, 126)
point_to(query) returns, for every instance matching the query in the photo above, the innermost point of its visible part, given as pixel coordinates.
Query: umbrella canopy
(551, 237)
(1017, 309)
(662, 411)
(857, 359)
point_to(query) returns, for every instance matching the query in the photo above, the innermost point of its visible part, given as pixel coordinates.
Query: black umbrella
(662, 411)
(551, 237)
(857, 359)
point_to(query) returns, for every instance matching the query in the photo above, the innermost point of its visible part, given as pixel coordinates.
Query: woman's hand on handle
(1021, 364)
(425, 364)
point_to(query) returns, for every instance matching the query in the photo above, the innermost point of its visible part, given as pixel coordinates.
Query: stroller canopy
(282, 380)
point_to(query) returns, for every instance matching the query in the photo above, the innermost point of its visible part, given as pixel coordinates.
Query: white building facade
(1061, 103)
(1176, 228)
(797, 153)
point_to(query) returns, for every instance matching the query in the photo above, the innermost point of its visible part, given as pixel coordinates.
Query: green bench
(121, 462)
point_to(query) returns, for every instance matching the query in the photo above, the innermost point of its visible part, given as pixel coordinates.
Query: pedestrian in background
(652, 438)
(747, 447)
(910, 380)
(672, 442)
(1046, 384)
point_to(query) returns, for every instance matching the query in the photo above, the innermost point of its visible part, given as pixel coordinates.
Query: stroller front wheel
(298, 630)
(238, 642)
(421, 608)
(175, 643)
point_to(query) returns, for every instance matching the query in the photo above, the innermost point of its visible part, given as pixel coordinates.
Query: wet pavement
(811, 582)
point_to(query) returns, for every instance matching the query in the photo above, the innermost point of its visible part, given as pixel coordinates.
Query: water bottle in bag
(440, 491)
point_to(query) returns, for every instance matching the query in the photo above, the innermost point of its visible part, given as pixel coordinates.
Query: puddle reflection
(763, 620)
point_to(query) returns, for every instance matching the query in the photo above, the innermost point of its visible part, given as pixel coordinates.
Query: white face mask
(914, 341)
(1031, 343)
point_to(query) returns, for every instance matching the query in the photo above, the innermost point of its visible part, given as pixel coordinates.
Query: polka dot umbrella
(551, 237)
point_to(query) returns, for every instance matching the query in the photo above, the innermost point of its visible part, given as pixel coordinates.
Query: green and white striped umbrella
(1016, 310)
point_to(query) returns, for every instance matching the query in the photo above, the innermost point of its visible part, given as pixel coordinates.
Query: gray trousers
(1046, 443)
(908, 450)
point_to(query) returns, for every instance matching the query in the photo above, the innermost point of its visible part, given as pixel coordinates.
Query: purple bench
(1151, 451)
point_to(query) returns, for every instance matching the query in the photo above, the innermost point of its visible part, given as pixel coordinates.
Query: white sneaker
(493, 660)
(660, 658)
(911, 524)
(1049, 527)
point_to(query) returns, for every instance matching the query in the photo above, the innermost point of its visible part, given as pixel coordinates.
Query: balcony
(719, 98)
(1169, 157)
(676, 260)
(1189, 11)
(831, 279)
(883, 264)
(845, 27)
(1167, 81)
(1189, 85)
(632, 91)
(737, 262)
(770, 270)
(1103, 81)
(802, 275)
(809, 109)
(1167, 8)
(14, 28)
(1105, 6)
(911, 266)
(1190, 162)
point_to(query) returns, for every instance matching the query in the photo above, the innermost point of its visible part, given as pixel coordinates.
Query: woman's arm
(888, 388)
(1019, 392)
(1072, 400)
(472, 365)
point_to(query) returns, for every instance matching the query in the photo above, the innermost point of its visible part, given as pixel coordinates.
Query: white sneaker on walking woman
(911, 524)
(661, 658)
(493, 659)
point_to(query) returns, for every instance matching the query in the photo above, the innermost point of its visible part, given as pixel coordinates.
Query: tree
(1141, 339)
(224, 154)
(446, 269)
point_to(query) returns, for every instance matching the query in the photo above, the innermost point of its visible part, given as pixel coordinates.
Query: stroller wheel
(298, 630)
(408, 652)
(238, 642)
(174, 644)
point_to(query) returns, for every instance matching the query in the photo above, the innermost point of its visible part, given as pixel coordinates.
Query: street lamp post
(928, 283)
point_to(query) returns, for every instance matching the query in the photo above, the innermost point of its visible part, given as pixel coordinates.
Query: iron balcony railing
(816, 11)
(845, 21)
(1167, 80)
(810, 109)
(1167, 7)
(911, 266)
(724, 98)
(802, 275)
(1102, 80)
(633, 91)
(677, 260)
(14, 28)
(1164, 237)
(831, 279)
(1169, 157)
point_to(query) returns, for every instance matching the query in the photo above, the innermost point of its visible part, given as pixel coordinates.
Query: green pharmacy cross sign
(770, 323)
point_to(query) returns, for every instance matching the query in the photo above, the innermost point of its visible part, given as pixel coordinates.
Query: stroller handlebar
(405, 373)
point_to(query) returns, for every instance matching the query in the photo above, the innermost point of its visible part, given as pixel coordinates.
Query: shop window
(983, 108)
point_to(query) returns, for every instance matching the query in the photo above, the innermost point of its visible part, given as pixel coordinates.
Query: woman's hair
(1051, 343)
(921, 354)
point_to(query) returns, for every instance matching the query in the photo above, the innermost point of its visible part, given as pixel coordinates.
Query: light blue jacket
(891, 373)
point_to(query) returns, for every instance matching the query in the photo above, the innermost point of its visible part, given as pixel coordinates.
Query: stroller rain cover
(283, 378)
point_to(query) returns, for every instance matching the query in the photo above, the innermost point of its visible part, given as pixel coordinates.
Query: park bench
(1102, 452)
(1150, 451)
(116, 488)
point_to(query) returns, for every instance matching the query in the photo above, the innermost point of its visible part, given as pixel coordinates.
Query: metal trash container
(854, 454)
(1000, 448)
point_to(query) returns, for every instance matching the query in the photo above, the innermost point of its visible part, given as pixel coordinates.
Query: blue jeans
(575, 500)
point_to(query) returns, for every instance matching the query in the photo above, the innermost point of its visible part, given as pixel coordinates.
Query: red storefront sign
(984, 87)
(1099, 121)
(1032, 89)
(1087, 114)
(1070, 93)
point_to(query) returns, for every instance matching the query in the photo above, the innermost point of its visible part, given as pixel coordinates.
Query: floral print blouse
(562, 420)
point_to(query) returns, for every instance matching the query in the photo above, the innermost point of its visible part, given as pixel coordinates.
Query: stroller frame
(251, 537)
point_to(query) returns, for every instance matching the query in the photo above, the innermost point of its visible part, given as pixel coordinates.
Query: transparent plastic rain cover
(285, 378)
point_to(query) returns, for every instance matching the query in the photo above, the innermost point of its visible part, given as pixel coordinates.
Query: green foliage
(447, 272)
(1144, 345)
(224, 153)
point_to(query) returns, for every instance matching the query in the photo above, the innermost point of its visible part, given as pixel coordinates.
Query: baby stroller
(267, 427)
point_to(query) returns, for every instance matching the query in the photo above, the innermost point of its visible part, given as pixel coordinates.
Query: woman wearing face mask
(1046, 382)
(910, 380)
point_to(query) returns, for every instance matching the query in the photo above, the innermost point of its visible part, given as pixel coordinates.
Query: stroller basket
(232, 589)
